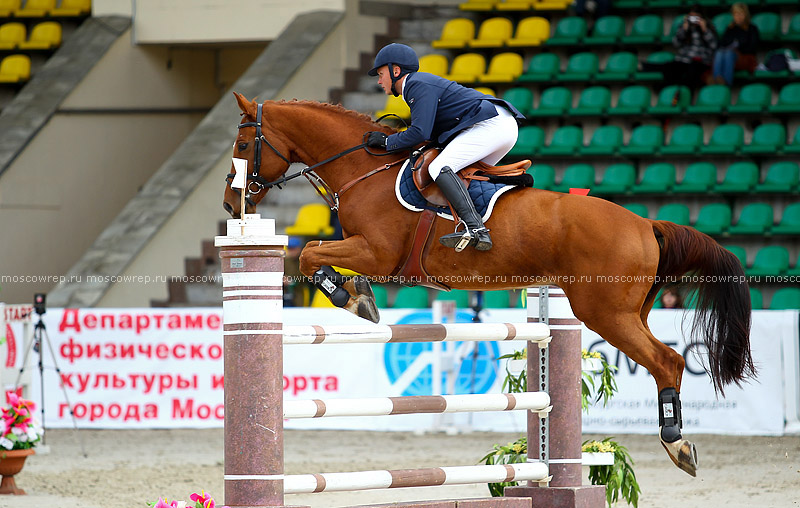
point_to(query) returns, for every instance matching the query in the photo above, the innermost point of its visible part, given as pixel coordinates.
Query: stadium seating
(671, 100)
(542, 68)
(565, 141)
(594, 100)
(781, 177)
(658, 57)
(754, 219)
(455, 34)
(493, 33)
(727, 138)
(699, 177)
(544, 176)
(740, 252)
(607, 30)
(646, 29)
(637, 208)
(529, 141)
(790, 221)
(633, 100)
(686, 139)
(644, 140)
(467, 67)
(605, 140)
(394, 106)
(785, 299)
(568, 32)
(770, 260)
(35, 8)
(414, 297)
(713, 219)
(576, 176)
(531, 31)
(460, 296)
(768, 138)
(554, 101)
(658, 178)
(496, 299)
(788, 100)
(72, 8)
(433, 64)
(756, 299)
(619, 67)
(617, 179)
(503, 68)
(769, 25)
(11, 34)
(753, 98)
(674, 212)
(580, 67)
(711, 99)
(740, 177)
(312, 219)
(793, 30)
(794, 146)
(521, 98)
(15, 69)
(9, 7)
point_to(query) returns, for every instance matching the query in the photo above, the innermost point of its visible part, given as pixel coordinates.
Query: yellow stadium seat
(467, 67)
(551, 5)
(72, 8)
(36, 8)
(493, 33)
(320, 300)
(45, 35)
(477, 5)
(456, 33)
(514, 5)
(8, 7)
(394, 106)
(433, 64)
(504, 68)
(11, 34)
(15, 69)
(532, 31)
(486, 90)
(313, 219)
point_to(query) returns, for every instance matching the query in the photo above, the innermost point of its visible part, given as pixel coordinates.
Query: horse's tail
(722, 315)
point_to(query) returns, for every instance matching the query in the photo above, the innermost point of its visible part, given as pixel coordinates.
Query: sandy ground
(130, 468)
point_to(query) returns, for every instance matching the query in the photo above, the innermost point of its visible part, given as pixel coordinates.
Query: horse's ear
(245, 105)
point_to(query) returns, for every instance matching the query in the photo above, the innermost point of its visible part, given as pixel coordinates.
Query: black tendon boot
(475, 234)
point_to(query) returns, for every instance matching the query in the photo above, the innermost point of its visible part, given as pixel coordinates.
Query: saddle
(477, 171)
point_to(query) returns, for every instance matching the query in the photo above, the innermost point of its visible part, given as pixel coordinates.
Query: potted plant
(20, 433)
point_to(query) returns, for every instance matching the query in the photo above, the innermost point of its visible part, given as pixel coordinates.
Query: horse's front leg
(354, 253)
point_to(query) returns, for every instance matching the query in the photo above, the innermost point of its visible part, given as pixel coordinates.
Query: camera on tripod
(39, 305)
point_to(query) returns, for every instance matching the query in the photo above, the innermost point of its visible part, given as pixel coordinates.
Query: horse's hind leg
(631, 335)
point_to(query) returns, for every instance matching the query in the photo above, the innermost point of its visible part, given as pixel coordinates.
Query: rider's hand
(376, 139)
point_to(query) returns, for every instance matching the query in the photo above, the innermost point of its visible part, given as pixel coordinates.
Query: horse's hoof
(362, 287)
(684, 454)
(367, 309)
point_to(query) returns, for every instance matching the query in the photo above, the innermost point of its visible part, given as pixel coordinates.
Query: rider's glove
(376, 139)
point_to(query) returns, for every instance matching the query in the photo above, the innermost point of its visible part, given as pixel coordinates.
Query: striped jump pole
(252, 306)
(556, 440)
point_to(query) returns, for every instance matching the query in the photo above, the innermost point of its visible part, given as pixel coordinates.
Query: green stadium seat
(713, 219)
(794, 147)
(790, 221)
(753, 98)
(788, 99)
(617, 179)
(685, 140)
(544, 176)
(645, 29)
(529, 140)
(770, 260)
(594, 101)
(555, 101)
(415, 297)
(568, 32)
(619, 67)
(606, 140)
(580, 67)
(699, 177)
(493, 33)
(633, 100)
(721, 22)
(766, 74)
(668, 37)
(656, 57)
(740, 252)
(755, 219)
(607, 30)
(674, 212)
(644, 140)
(566, 140)
(782, 177)
(630, 4)
(756, 299)
(740, 177)
(769, 25)
(727, 138)
(785, 299)
(793, 30)
(460, 296)
(795, 270)
(455, 34)
(521, 98)
(578, 175)
(711, 99)
(658, 178)
(672, 100)
(531, 31)
(381, 296)
(496, 299)
(637, 208)
(542, 68)
(768, 138)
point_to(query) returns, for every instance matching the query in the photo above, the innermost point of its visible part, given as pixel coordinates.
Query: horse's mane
(337, 109)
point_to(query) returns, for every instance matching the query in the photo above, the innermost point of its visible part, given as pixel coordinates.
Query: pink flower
(162, 503)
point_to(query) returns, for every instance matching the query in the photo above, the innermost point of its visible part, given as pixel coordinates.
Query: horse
(610, 262)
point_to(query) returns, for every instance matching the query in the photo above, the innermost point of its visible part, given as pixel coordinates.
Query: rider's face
(385, 79)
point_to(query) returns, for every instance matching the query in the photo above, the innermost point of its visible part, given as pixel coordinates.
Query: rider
(473, 126)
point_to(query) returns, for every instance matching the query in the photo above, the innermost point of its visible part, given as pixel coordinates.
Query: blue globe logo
(476, 372)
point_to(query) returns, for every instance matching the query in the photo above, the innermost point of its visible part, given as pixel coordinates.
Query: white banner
(162, 368)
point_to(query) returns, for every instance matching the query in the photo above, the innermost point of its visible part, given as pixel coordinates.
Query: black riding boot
(476, 234)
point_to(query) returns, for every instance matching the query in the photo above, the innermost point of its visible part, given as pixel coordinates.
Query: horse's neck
(319, 133)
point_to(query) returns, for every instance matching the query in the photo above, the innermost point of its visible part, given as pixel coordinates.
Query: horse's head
(266, 153)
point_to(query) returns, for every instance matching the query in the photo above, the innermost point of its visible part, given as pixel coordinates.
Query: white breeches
(487, 141)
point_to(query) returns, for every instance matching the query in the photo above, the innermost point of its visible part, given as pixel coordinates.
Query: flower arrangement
(201, 500)
(20, 429)
(619, 478)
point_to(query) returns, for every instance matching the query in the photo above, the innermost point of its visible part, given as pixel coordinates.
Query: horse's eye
(242, 147)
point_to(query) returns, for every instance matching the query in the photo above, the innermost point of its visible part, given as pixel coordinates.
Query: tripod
(40, 337)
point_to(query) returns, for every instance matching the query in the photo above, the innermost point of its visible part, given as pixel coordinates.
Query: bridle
(256, 183)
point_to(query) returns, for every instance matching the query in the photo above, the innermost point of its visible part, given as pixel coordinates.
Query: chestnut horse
(610, 262)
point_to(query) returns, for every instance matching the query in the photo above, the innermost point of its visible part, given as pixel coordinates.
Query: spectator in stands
(472, 127)
(671, 299)
(737, 47)
(696, 41)
(598, 8)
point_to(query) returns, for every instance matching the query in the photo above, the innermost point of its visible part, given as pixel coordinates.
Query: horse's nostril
(228, 208)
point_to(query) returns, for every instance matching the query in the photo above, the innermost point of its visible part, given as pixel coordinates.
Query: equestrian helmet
(396, 54)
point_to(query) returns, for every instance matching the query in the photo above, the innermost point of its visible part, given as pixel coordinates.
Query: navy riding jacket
(441, 108)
